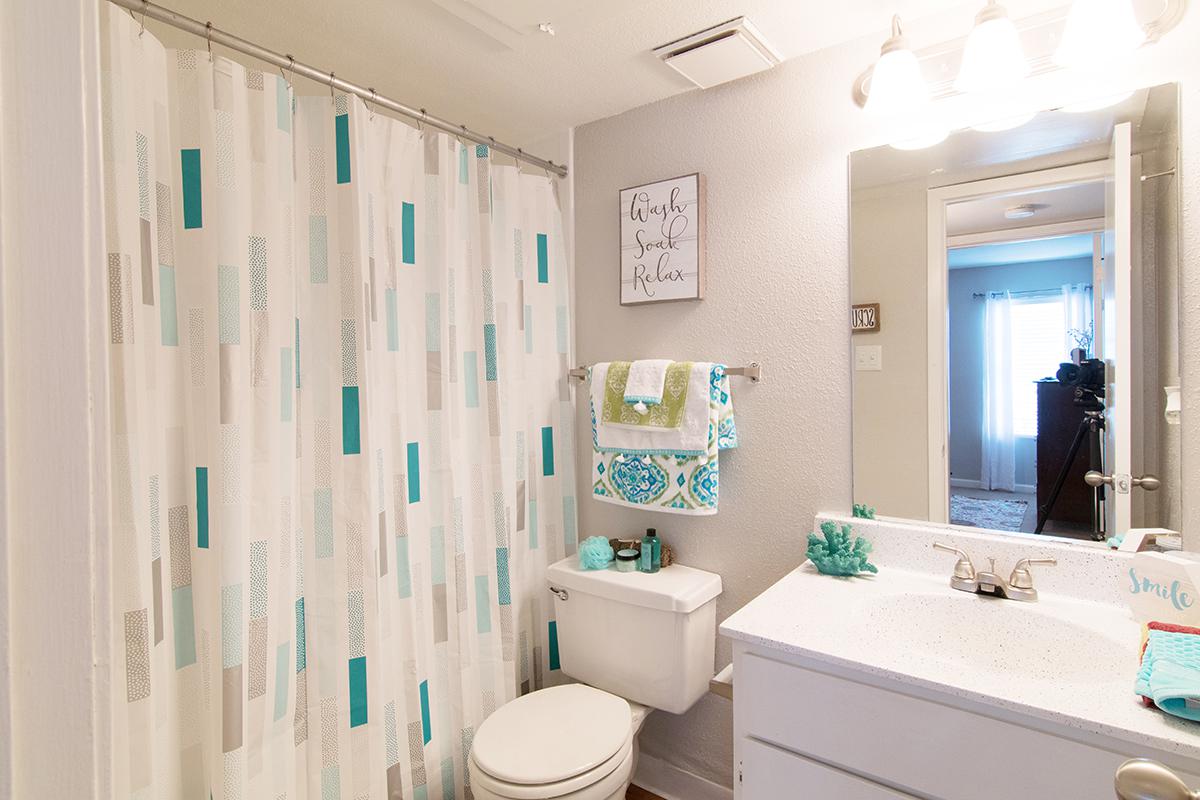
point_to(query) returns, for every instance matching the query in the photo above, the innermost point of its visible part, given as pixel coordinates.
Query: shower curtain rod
(205, 30)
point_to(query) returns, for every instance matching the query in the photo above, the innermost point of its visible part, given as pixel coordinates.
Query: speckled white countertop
(1065, 661)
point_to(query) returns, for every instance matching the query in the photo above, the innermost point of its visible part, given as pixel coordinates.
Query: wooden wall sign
(864, 317)
(662, 241)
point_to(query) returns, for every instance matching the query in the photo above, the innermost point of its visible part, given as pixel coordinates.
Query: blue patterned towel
(1170, 672)
(676, 484)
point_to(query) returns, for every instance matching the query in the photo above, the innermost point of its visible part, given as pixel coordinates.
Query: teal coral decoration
(834, 555)
(863, 511)
(595, 553)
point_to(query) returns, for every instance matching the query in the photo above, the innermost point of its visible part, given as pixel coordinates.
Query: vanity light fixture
(896, 82)
(993, 59)
(1097, 33)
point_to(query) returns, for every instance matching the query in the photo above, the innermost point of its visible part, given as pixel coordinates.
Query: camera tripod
(1089, 428)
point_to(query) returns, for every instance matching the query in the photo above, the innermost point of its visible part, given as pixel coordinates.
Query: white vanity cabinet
(810, 729)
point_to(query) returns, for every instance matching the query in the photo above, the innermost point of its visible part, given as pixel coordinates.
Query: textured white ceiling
(484, 63)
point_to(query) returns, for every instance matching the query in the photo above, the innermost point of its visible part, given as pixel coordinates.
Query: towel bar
(753, 371)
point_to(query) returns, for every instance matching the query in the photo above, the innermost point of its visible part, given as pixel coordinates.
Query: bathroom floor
(637, 793)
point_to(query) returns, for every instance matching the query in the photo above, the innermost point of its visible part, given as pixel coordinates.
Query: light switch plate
(868, 358)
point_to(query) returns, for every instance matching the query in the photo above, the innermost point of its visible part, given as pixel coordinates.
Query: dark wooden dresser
(1058, 419)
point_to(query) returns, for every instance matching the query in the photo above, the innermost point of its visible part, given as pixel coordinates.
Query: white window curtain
(341, 432)
(1078, 323)
(998, 468)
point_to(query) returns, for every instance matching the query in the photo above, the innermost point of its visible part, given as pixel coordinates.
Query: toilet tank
(647, 637)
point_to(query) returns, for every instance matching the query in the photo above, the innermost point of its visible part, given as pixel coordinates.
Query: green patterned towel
(667, 414)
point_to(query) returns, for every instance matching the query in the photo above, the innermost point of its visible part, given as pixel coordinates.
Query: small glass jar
(627, 560)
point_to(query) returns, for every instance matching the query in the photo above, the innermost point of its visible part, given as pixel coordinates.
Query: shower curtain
(341, 435)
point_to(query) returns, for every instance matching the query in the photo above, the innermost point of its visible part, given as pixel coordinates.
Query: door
(1115, 334)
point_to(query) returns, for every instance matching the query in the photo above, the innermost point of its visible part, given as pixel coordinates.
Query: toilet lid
(552, 734)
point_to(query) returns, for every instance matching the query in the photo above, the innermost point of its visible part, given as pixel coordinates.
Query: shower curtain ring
(208, 37)
(421, 123)
(370, 107)
(142, 29)
(331, 97)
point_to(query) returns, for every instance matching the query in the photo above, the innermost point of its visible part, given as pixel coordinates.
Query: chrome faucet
(1018, 586)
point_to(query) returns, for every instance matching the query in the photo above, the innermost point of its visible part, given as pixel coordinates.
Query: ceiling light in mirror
(1097, 33)
(896, 81)
(993, 58)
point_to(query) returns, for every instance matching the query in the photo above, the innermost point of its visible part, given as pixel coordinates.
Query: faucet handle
(1021, 577)
(963, 568)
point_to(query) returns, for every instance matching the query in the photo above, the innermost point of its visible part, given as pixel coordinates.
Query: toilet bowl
(571, 742)
(636, 642)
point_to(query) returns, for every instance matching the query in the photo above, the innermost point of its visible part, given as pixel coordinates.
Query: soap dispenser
(651, 560)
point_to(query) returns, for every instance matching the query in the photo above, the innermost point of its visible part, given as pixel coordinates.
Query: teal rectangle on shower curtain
(341, 129)
(182, 613)
(483, 603)
(301, 637)
(283, 105)
(202, 507)
(189, 160)
(281, 679)
(543, 258)
(351, 444)
(358, 691)
(426, 728)
(403, 575)
(414, 472)
(548, 451)
(408, 233)
(462, 165)
(471, 377)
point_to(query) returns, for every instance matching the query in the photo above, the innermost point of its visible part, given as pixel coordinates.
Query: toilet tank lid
(675, 588)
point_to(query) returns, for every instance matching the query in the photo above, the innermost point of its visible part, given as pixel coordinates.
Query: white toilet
(636, 642)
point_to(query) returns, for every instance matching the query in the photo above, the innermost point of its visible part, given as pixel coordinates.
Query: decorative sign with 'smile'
(662, 241)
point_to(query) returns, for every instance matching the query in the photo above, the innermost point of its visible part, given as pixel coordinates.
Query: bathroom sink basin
(1046, 640)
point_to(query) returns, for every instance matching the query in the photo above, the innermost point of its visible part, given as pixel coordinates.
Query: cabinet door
(770, 773)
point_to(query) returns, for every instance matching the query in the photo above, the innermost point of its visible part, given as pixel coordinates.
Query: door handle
(1143, 779)
(1121, 483)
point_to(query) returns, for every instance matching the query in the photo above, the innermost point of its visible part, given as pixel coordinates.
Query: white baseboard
(672, 783)
(964, 483)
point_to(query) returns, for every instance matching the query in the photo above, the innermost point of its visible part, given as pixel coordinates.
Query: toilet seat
(553, 743)
(600, 782)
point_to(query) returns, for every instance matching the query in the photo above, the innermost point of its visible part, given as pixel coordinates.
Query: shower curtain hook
(331, 97)
(291, 71)
(143, 28)
(371, 108)
(208, 38)
(421, 123)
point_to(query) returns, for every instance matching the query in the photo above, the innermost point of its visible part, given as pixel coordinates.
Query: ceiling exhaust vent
(722, 53)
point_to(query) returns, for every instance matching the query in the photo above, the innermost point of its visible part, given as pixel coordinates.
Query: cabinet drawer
(769, 773)
(922, 746)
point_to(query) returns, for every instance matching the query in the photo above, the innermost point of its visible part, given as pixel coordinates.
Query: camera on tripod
(1087, 376)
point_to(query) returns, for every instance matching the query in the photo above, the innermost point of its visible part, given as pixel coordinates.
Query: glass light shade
(993, 58)
(1097, 32)
(896, 83)
(1004, 123)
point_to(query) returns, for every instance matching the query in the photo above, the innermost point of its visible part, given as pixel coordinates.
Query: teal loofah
(834, 555)
(863, 511)
(595, 553)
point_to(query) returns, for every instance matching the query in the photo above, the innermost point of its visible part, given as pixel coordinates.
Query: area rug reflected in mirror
(1000, 515)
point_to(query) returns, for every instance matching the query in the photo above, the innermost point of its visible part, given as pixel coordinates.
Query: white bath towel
(645, 384)
(689, 439)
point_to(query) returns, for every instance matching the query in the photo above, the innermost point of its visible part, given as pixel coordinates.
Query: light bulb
(1003, 123)
(931, 134)
(993, 59)
(896, 81)
(1097, 32)
(1097, 103)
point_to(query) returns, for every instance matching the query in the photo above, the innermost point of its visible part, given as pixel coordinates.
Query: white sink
(1032, 640)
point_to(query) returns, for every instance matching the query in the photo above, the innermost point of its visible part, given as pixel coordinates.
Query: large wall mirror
(1018, 344)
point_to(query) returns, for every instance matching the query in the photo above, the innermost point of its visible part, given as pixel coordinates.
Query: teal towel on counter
(1170, 670)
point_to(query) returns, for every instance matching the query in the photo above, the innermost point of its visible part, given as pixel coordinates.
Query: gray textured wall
(773, 148)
